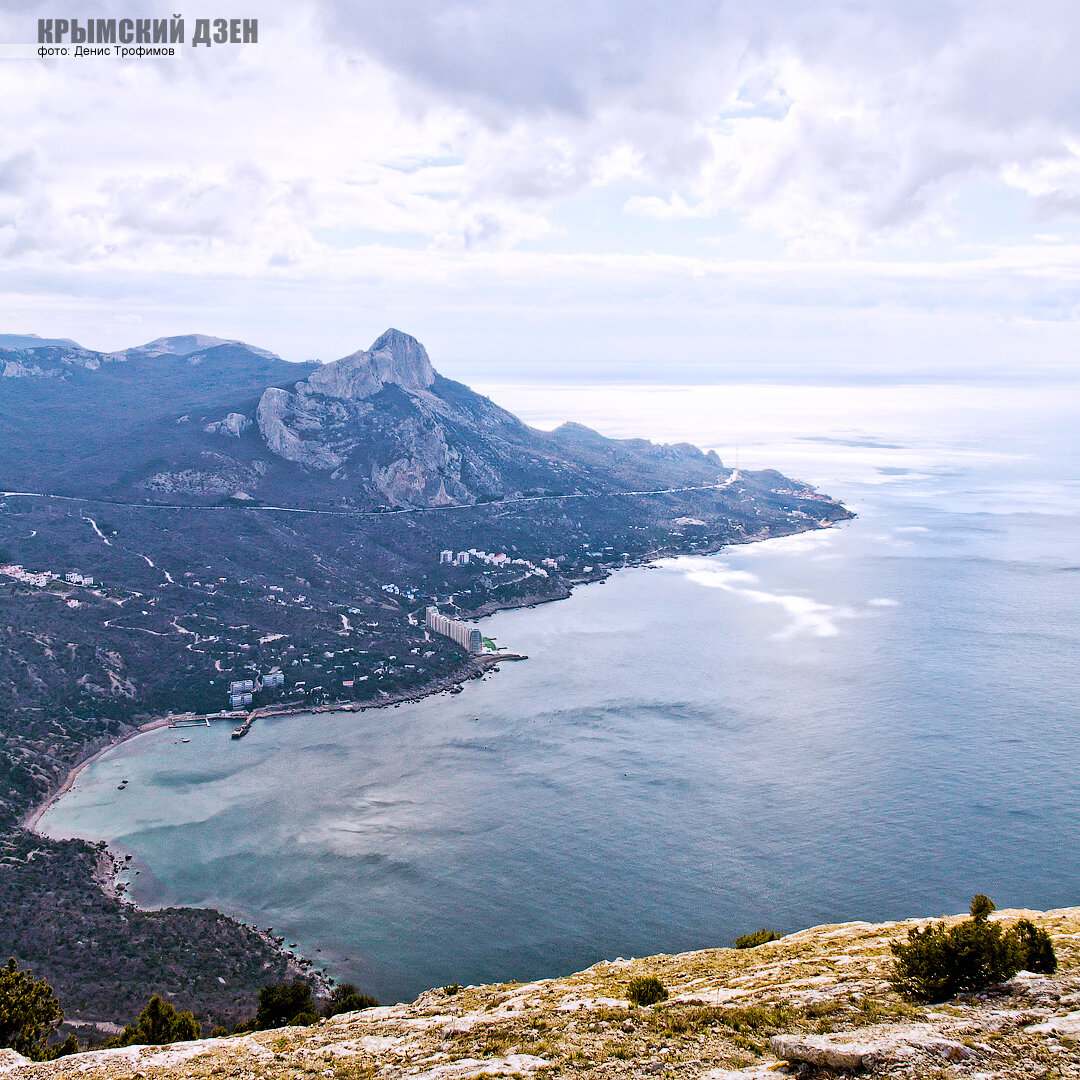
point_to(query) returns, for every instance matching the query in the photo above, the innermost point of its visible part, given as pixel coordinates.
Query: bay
(872, 721)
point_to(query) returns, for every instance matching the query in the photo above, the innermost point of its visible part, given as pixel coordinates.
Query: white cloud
(785, 186)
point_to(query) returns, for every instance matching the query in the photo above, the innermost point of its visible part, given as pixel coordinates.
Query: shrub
(283, 1004)
(1035, 948)
(937, 963)
(645, 990)
(159, 1023)
(759, 937)
(451, 989)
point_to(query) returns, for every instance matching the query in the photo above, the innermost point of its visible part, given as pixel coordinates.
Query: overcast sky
(601, 188)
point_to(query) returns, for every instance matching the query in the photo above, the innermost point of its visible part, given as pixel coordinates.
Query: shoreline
(30, 821)
(300, 965)
(480, 665)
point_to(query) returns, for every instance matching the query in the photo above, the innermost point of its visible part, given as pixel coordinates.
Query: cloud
(827, 184)
(837, 122)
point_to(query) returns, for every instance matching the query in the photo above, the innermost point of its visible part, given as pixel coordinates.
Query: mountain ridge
(200, 418)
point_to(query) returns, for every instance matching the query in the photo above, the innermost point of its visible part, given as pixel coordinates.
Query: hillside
(196, 419)
(816, 1000)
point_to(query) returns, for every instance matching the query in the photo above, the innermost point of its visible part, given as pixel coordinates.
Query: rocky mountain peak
(394, 359)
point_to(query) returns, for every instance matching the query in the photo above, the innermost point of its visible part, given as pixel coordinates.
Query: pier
(244, 728)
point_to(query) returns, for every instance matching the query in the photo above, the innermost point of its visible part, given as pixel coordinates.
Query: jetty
(244, 728)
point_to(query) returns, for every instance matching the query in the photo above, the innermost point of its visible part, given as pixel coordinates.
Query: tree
(29, 1014)
(284, 1004)
(347, 998)
(159, 1023)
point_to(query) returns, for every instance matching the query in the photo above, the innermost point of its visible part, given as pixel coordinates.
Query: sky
(620, 190)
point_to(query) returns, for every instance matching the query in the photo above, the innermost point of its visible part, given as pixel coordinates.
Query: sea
(868, 722)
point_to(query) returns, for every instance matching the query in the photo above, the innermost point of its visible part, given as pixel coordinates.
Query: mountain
(188, 345)
(196, 418)
(32, 341)
(383, 425)
(75, 421)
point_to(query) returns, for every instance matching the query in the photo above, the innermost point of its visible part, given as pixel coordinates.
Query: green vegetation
(759, 937)
(292, 1004)
(1036, 948)
(285, 1005)
(451, 989)
(29, 1015)
(938, 963)
(345, 999)
(157, 1025)
(645, 990)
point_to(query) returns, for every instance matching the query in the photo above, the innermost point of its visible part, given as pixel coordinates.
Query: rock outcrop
(813, 1004)
(235, 424)
(382, 423)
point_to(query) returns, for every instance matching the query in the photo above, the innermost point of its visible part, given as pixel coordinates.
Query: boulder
(234, 425)
(862, 1050)
(848, 1050)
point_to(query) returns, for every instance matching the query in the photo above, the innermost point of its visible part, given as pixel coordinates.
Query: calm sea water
(869, 722)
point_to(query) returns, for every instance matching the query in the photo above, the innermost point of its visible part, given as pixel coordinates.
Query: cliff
(815, 1003)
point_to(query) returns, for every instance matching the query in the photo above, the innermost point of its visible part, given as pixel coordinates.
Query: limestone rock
(234, 425)
(862, 1050)
(1068, 1025)
(844, 1051)
(395, 358)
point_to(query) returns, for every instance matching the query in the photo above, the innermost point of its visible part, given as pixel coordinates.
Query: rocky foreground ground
(814, 1004)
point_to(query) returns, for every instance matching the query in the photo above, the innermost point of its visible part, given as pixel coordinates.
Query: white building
(462, 559)
(446, 557)
(468, 637)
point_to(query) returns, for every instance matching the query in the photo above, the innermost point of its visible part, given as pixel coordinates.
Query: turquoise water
(873, 721)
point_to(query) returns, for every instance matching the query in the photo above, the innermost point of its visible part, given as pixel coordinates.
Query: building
(446, 557)
(274, 677)
(238, 701)
(468, 637)
(462, 559)
(241, 686)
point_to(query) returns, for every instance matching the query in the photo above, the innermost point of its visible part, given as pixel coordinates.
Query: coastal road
(731, 479)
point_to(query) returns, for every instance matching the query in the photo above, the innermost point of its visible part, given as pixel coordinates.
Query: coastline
(472, 668)
(30, 821)
(300, 965)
